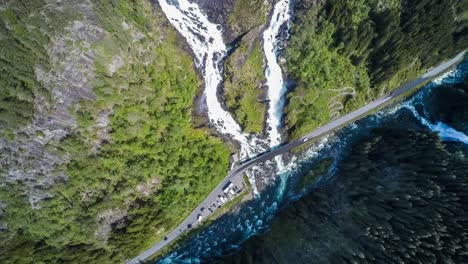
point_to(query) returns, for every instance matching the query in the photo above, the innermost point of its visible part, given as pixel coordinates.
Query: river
(254, 217)
(229, 232)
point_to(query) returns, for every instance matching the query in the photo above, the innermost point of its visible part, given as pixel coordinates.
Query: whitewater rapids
(206, 41)
(276, 87)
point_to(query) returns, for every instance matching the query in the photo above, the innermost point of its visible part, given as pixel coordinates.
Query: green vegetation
(243, 84)
(23, 50)
(367, 45)
(184, 238)
(323, 75)
(400, 197)
(140, 183)
(248, 14)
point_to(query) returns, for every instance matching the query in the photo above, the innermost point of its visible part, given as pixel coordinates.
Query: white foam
(273, 74)
(206, 40)
(446, 132)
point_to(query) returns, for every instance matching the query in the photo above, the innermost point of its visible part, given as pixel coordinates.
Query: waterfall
(275, 83)
(256, 216)
(273, 74)
(206, 41)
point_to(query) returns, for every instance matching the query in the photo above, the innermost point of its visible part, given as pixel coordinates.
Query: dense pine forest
(400, 197)
(345, 53)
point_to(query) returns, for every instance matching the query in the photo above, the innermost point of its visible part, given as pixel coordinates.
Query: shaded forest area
(400, 197)
(372, 46)
(390, 39)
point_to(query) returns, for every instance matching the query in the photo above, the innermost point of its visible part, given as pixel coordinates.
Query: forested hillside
(102, 151)
(400, 197)
(345, 53)
(98, 157)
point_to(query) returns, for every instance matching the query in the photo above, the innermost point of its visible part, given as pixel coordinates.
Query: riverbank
(398, 99)
(352, 116)
(228, 234)
(210, 57)
(228, 208)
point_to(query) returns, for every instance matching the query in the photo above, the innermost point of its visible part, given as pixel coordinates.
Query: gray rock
(31, 158)
(218, 11)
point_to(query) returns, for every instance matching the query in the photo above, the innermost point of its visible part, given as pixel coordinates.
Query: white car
(200, 217)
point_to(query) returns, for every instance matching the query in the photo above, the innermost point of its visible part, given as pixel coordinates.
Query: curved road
(235, 175)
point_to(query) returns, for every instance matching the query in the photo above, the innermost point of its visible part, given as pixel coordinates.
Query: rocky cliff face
(218, 12)
(30, 156)
(237, 17)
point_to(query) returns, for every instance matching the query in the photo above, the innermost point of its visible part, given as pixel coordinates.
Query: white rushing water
(206, 41)
(446, 132)
(275, 84)
(273, 74)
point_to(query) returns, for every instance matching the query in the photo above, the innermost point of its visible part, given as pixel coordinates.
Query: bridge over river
(235, 175)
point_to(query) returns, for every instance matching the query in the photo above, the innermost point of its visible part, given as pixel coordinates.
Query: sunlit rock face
(236, 17)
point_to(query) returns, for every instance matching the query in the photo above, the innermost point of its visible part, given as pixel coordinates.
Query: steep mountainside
(243, 85)
(98, 155)
(237, 17)
(102, 148)
(345, 53)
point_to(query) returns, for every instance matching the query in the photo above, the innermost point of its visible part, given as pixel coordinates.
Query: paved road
(235, 175)
(347, 118)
